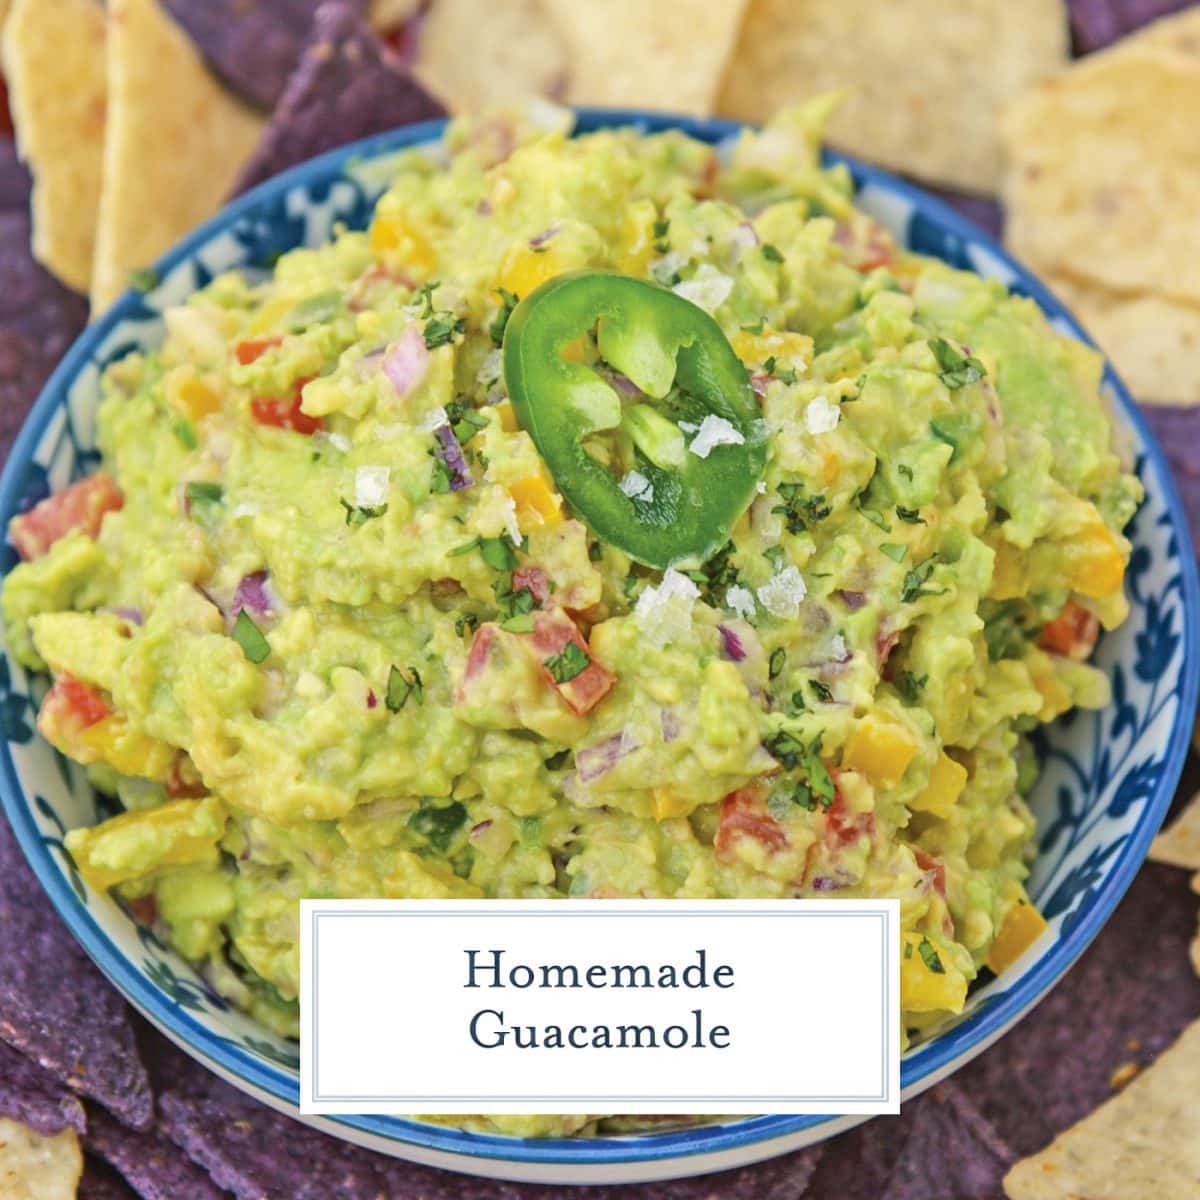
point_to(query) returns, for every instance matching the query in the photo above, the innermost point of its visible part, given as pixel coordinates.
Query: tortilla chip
(1179, 844)
(1154, 342)
(101, 1182)
(1105, 170)
(346, 87)
(1144, 1142)
(474, 53)
(56, 1007)
(36, 1167)
(1194, 948)
(632, 54)
(390, 14)
(54, 64)
(924, 79)
(35, 1098)
(176, 142)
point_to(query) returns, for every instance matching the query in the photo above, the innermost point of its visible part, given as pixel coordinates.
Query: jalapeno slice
(683, 502)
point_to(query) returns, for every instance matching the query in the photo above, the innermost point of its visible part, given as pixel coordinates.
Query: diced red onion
(600, 757)
(624, 384)
(670, 724)
(253, 594)
(406, 360)
(540, 239)
(372, 699)
(831, 883)
(535, 579)
(480, 828)
(132, 615)
(852, 600)
(484, 207)
(732, 644)
(450, 452)
(759, 384)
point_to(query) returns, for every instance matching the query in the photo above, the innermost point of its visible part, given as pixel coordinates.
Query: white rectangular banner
(585, 1006)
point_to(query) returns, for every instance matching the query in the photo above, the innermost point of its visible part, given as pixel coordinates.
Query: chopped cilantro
(894, 550)
(910, 686)
(911, 516)
(465, 421)
(498, 553)
(186, 433)
(465, 548)
(557, 761)
(771, 253)
(816, 785)
(513, 604)
(437, 824)
(783, 374)
(203, 502)
(439, 476)
(521, 622)
(360, 514)
(248, 635)
(442, 328)
(905, 470)
(774, 555)
(914, 581)
(800, 512)
(908, 949)
(944, 435)
(955, 368)
(464, 622)
(798, 701)
(716, 576)
(508, 301)
(661, 228)
(822, 691)
(876, 518)
(776, 662)
(930, 957)
(424, 297)
(570, 661)
(400, 688)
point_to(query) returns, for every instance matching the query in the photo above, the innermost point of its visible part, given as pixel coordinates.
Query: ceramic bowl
(1106, 782)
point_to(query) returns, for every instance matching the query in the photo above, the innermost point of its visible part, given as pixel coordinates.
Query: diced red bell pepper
(69, 707)
(81, 506)
(744, 814)
(932, 867)
(253, 349)
(1072, 633)
(286, 414)
(552, 632)
(535, 579)
(843, 828)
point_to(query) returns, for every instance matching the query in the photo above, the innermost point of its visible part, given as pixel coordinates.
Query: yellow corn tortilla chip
(1143, 1143)
(1180, 32)
(34, 1167)
(1194, 950)
(1105, 171)
(54, 64)
(1179, 843)
(925, 80)
(473, 53)
(388, 14)
(630, 53)
(1153, 341)
(176, 142)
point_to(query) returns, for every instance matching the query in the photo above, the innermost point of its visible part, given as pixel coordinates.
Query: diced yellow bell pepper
(1095, 566)
(1010, 572)
(790, 348)
(539, 506)
(508, 418)
(636, 246)
(144, 841)
(831, 467)
(880, 749)
(929, 982)
(525, 267)
(668, 804)
(190, 394)
(946, 782)
(125, 749)
(396, 237)
(1022, 926)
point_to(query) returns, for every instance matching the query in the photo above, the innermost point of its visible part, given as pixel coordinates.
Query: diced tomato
(184, 782)
(6, 122)
(535, 579)
(286, 414)
(866, 246)
(744, 814)
(1072, 633)
(843, 828)
(253, 349)
(70, 707)
(144, 910)
(552, 633)
(81, 506)
(402, 41)
(934, 868)
(885, 643)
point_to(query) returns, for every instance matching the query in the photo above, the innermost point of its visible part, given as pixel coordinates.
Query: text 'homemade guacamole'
(751, 582)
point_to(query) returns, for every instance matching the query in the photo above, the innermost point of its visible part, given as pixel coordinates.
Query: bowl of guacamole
(600, 508)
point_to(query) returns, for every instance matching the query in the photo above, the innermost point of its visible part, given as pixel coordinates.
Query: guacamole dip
(614, 517)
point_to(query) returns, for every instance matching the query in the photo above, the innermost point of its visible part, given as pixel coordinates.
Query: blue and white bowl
(1106, 783)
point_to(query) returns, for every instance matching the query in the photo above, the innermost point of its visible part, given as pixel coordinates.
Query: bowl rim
(929, 1063)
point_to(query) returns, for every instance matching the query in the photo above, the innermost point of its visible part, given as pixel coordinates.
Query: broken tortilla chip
(474, 53)
(36, 1167)
(176, 142)
(664, 56)
(924, 80)
(54, 64)
(1105, 169)
(1179, 844)
(1144, 1142)
(1153, 341)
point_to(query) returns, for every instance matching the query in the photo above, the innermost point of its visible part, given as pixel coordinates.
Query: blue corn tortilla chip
(348, 85)
(1178, 433)
(29, 1095)
(39, 319)
(1053, 1069)
(983, 210)
(153, 1166)
(253, 45)
(1099, 23)
(56, 1007)
(101, 1182)
(950, 1151)
(15, 183)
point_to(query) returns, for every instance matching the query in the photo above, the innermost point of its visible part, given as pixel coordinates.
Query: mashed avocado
(326, 626)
